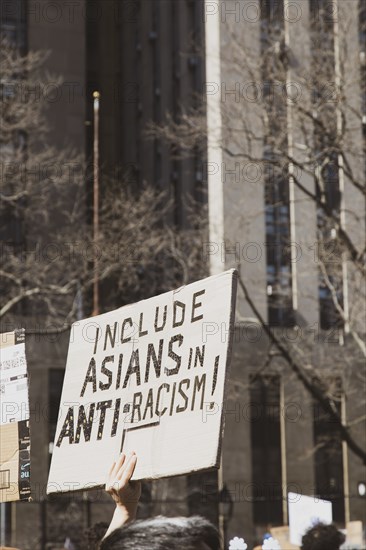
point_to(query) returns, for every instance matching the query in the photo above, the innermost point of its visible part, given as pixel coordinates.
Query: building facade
(284, 89)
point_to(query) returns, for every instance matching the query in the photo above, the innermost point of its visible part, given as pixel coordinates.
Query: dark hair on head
(93, 535)
(322, 537)
(163, 533)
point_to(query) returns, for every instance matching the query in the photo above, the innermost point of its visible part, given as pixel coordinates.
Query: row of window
(328, 197)
(266, 453)
(265, 409)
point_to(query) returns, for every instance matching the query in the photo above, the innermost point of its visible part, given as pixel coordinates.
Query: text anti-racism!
(117, 370)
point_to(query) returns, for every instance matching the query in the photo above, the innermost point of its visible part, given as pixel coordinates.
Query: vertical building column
(347, 26)
(351, 170)
(341, 178)
(147, 80)
(302, 207)
(214, 135)
(128, 91)
(237, 188)
(290, 142)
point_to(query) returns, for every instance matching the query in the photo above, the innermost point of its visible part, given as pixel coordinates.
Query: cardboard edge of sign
(217, 463)
(235, 276)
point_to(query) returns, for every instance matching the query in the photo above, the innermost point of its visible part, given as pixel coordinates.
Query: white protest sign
(14, 418)
(305, 512)
(150, 378)
(354, 533)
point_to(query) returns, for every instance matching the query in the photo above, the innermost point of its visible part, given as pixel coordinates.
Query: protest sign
(282, 535)
(14, 419)
(305, 512)
(354, 533)
(150, 378)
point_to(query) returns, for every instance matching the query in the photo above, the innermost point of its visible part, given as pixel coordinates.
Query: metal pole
(347, 514)
(96, 96)
(220, 510)
(283, 454)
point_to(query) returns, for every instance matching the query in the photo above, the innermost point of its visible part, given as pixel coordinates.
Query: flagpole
(96, 96)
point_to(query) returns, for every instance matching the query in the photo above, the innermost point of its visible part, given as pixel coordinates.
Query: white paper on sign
(14, 418)
(150, 378)
(13, 385)
(305, 512)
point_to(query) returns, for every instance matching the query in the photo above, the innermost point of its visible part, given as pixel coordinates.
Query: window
(330, 289)
(277, 210)
(279, 284)
(272, 19)
(330, 278)
(277, 219)
(13, 24)
(266, 450)
(55, 382)
(328, 459)
(203, 495)
(12, 29)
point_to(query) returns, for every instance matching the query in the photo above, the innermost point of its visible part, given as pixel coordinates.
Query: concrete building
(146, 58)
(264, 60)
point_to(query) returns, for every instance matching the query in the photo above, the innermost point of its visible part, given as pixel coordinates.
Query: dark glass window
(330, 286)
(203, 495)
(55, 382)
(13, 30)
(266, 450)
(276, 181)
(272, 17)
(328, 459)
(279, 284)
(13, 23)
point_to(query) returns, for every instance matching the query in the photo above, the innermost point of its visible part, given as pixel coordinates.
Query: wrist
(126, 513)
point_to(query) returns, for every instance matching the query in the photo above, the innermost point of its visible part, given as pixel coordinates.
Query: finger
(111, 470)
(119, 464)
(129, 469)
(116, 467)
